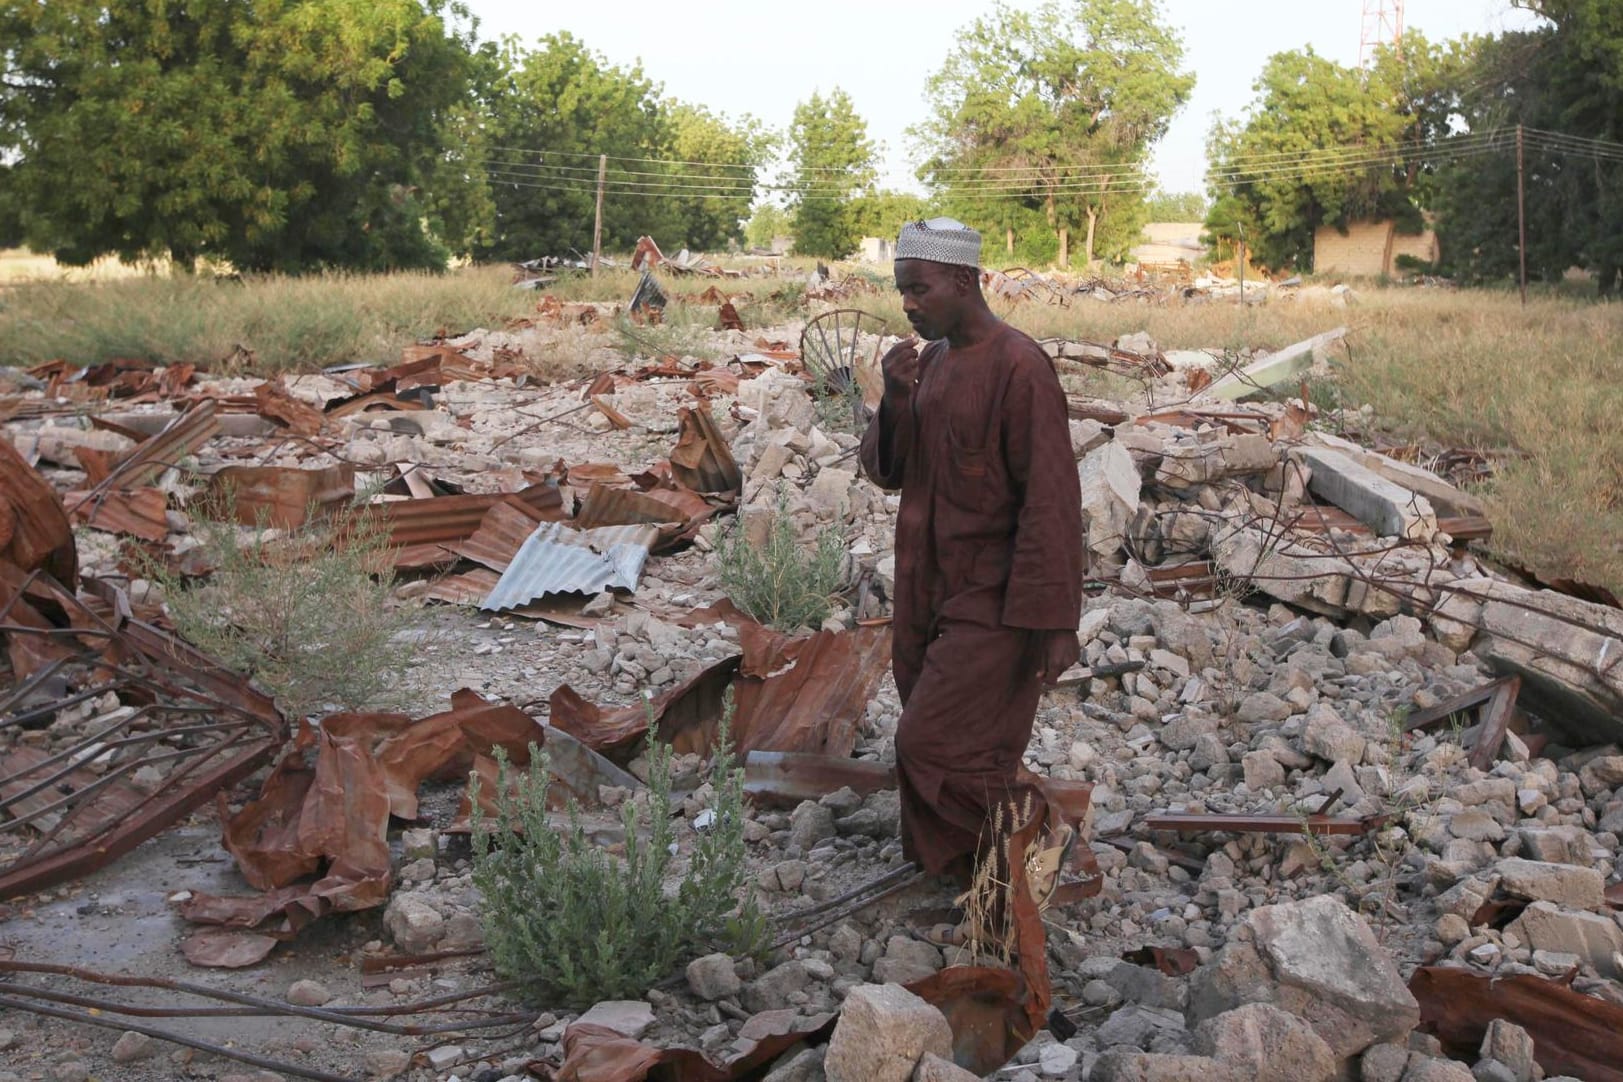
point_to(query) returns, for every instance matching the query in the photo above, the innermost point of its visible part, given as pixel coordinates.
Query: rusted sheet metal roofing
(558, 559)
(444, 519)
(67, 811)
(282, 496)
(34, 529)
(181, 437)
(139, 512)
(500, 535)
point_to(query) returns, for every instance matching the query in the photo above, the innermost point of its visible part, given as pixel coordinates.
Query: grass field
(1538, 387)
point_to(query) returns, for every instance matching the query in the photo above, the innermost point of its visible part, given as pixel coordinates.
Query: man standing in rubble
(973, 429)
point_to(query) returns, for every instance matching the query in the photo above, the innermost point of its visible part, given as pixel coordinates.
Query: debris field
(1351, 795)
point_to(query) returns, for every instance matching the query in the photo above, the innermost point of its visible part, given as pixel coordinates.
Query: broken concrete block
(830, 493)
(1510, 1044)
(1444, 497)
(1186, 465)
(1274, 369)
(415, 925)
(627, 1017)
(1130, 1065)
(713, 977)
(1268, 1044)
(1315, 959)
(883, 1031)
(1110, 494)
(1388, 509)
(932, 1068)
(1566, 651)
(1564, 884)
(1594, 938)
(1296, 575)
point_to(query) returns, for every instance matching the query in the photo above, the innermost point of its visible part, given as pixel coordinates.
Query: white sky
(763, 56)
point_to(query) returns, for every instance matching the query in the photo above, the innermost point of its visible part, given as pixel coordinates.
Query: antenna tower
(1382, 24)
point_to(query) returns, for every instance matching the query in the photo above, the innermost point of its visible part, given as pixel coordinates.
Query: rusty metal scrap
(1267, 824)
(558, 559)
(280, 496)
(145, 463)
(1497, 702)
(702, 460)
(185, 730)
(1573, 1034)
(35, 534)
(140, 512)
(440, 520)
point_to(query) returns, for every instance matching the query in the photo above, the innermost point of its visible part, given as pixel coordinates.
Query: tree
(675, 172)
(1054, 111)
(279, 135)
(767, 223)
(1565, 77)
(1325, 144)
(831, 164)
(1175, 207)
(882, 213)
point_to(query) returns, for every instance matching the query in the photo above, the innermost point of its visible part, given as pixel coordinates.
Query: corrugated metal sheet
(443, 519)
(557, 559)
(502, 533)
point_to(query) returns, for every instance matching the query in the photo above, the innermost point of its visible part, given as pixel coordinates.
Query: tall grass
(282, 323)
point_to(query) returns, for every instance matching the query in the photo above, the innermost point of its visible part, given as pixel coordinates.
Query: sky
(750, 56)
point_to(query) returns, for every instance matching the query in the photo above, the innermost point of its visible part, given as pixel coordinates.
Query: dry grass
(281, 323)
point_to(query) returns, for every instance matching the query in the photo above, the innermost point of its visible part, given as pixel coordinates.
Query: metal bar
(842, 913)
(86, 1018)
(1265, 824)
(873, 884)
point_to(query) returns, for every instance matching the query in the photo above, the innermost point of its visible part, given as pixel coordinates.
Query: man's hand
(1058, 651)
(901, 368)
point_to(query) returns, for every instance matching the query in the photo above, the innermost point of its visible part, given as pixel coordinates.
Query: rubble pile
(1334, 769)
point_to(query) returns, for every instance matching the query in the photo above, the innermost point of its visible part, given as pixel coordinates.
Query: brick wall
(1362, 251)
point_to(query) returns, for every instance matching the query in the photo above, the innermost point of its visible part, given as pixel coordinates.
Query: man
(989, 545)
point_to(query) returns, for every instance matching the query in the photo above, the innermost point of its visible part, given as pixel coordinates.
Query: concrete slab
(1387, 508)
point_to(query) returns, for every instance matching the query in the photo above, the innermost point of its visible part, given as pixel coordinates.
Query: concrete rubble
(1269, 603)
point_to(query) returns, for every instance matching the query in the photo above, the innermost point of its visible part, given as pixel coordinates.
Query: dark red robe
(989, 552)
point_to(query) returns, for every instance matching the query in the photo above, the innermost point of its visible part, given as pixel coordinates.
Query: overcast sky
(763, 56)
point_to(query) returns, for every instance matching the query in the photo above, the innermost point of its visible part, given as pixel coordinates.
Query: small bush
(303, 615)
(782, 584)
(580, 924)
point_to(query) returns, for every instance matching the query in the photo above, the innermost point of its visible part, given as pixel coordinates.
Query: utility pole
(597, 227)
(1521, 211)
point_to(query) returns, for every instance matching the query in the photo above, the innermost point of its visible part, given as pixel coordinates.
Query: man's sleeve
(885, 445)
(1045, 577)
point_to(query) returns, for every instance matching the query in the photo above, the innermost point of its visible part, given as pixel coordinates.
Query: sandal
(1043, 866)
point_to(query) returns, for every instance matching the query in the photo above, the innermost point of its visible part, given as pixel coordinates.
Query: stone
(882, 1033)
(805, 1065)
(445, 1055)
(1429, 1069)
(1326, 736)
(1315, 959)
(308, 994)
(132, 1046)
(830, 493)
(419, 843)
(1262, 706)
(1475, 825)
(1181, 733)
(933, 1068)
(1451, 928)
(809, 824)
(1056, 1060)
(773, 989)
(1491, 1070)
(1135, 1025)
(385, 1063)
(1384, 506)
(713, 977)
(1111, 487)
(1512, 1046)
(1261, 770)
(415, 926)
(627, 1017)
(72, 1070)
(1268, 1044)
(1128, 1065)
(1564, 884)
(1594, 938)
(1554, 964)
(1384, 1063)
(906, 960)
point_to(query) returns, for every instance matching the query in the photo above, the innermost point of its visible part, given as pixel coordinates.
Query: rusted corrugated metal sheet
(444, 519)
(35, 533)
(500, 535)
(137, 512)
(702, 459)
(557, 559)
(144, 464)
(281, 496)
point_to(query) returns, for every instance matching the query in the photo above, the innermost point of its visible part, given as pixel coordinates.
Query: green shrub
(306, 615)
(580, 924)
(782, 584)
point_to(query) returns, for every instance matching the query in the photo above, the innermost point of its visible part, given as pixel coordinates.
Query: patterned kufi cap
(940, 240)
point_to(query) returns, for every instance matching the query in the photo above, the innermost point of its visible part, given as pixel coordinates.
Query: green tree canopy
(831, 165)
(1044, 118)
(277, 134)
(675, 172)
(1324, 144)
(1565, 77)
